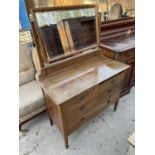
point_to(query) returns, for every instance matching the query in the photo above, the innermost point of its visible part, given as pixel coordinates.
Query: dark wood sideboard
(117, 41)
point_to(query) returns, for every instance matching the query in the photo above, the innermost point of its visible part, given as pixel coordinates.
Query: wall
(127, 5)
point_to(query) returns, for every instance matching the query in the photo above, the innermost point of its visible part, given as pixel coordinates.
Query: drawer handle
(82, 119)
(109, 90)
(113, 81)
(82, 108)
(82, 97)
(108, 101)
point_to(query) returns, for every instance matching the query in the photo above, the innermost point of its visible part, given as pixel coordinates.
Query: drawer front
(112, 85)
(78, 105)
(97, 105)
(80, 121)
(80, 99)
(79, 109)
(127, 54)
(74, 113)
(128, 60)
(90, 112)
(104, 102)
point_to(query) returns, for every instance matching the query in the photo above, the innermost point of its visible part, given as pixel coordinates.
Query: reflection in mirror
(42, 3)
(116, 9)
(112, 12)
(66, 31)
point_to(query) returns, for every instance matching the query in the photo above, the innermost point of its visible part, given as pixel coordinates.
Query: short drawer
(112, 99)
(112, 85)
(128, 60)
(79, 122)
(83, 97)
(103, 102)
(127, 54)
(82, 119)
(79, 103)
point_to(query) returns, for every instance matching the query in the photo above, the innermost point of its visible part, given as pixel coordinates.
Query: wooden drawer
(97, 104)
(79, 110)
(79, 99)
(88, 100)
(128, 60)
(103, 102)
(112, 99)
(80, 121)
(85, 116)
(131, 60)
(127, 54)
(110, 86)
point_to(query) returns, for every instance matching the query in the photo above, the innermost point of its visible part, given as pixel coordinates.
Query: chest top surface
(77, 79)
(120, 44)
(118, 35)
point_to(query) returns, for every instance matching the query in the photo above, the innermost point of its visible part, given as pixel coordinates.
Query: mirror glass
(116, 9)
(64, 32)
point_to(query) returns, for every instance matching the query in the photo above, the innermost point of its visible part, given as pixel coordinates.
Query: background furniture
(117, 41)
(131, 141)
(31, 100)
(115, 11)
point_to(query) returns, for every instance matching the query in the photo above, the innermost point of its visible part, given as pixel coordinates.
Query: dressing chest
(75, 94)
(78, 82)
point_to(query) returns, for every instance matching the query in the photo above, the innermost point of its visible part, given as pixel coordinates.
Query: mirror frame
(43, 57)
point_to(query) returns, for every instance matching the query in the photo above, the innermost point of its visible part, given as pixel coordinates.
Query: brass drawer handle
(109, 101)
(109, 90)
(82, 108)
(82, 119)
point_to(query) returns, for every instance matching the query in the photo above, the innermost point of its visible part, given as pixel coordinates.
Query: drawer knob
(113, 81)
(108, 101)
(82, 119)
(82, 108)
(109, 90)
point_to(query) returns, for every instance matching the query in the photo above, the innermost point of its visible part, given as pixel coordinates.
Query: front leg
(116, 105)
(66, 141)
(51, 122)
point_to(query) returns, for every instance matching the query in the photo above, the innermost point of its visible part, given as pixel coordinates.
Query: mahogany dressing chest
(78, 82)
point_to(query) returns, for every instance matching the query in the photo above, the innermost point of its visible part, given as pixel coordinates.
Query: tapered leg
(51, 122)
(66, 141)
(116, 105)
(20, 127)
